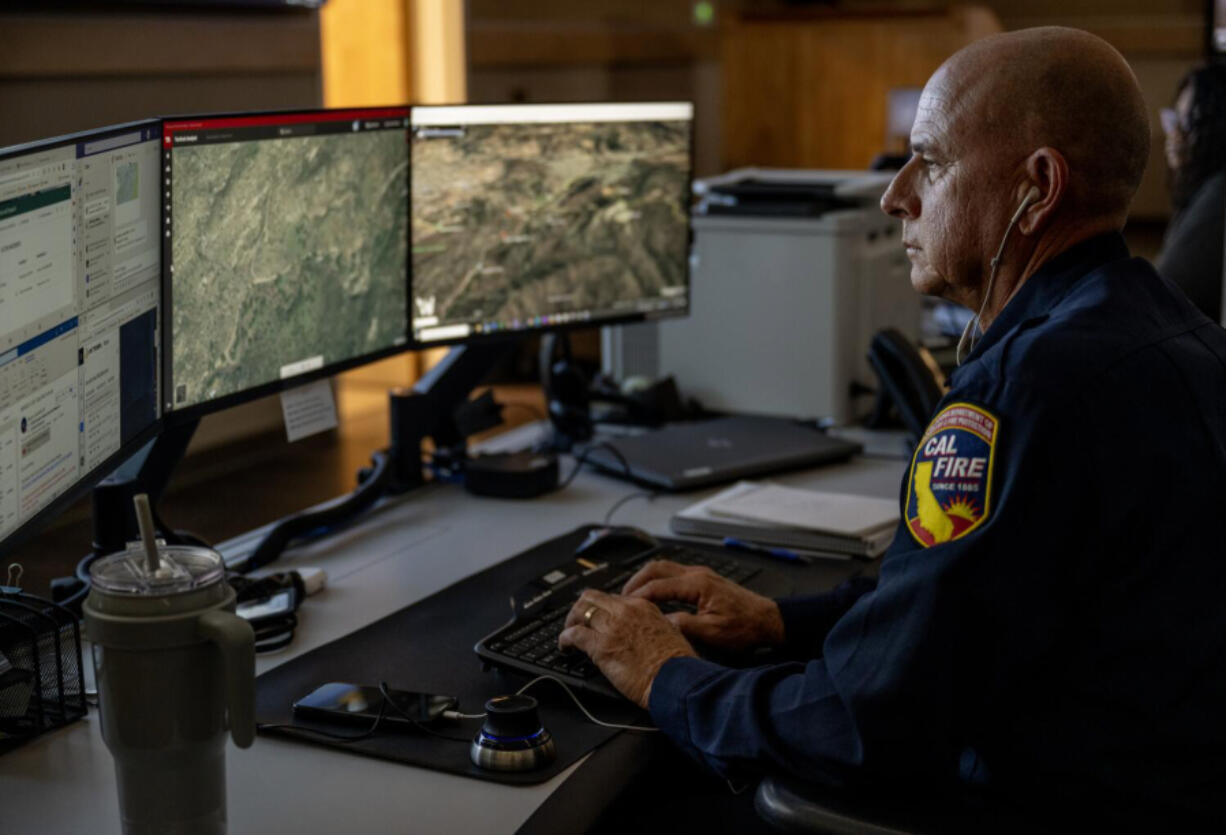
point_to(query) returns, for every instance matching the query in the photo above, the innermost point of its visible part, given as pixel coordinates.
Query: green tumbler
(174, 666)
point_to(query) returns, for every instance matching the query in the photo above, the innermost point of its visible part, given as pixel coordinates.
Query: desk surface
(402, 552)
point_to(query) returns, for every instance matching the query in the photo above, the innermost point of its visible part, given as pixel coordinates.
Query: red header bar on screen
(170, 128)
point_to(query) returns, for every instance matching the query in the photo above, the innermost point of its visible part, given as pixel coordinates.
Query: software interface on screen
(528, 216)
(288, 247)
(79, 266)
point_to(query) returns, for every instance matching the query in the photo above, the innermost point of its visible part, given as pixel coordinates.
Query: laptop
(687, 456)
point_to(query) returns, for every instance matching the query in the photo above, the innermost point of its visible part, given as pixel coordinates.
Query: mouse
(615, 541)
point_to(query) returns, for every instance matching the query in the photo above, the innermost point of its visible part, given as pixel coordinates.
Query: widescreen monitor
(286, 250)
(531, 217)
(80, 260)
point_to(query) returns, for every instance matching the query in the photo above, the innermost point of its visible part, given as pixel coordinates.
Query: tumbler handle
(235, 639)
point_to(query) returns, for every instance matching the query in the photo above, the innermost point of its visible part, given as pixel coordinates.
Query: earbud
(1030, 197)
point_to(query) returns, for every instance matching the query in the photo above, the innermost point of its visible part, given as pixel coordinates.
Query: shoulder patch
(949, 487)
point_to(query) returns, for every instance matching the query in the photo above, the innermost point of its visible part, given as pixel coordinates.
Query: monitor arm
(427, 410)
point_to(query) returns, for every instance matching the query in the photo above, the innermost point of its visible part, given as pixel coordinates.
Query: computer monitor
(286, 250)
(531, 217)
(80, 259)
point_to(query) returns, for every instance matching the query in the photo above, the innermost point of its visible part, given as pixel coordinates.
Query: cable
(416, 723)
(650, 495)
(579, 704)
(455, 715)
(968, 332)
(369, 732)
(583, 456)
(342, 509)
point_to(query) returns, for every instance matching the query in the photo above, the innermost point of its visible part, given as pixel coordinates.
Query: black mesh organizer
(41, 684)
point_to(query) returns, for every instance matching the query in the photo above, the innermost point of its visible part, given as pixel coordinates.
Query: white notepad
(832, 513)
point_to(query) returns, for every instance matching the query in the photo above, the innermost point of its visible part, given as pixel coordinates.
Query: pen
(777, 553)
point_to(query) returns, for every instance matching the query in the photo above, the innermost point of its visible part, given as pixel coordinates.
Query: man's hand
(729, 615)
(628, 639)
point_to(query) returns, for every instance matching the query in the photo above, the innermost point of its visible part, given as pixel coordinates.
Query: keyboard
(529, 643)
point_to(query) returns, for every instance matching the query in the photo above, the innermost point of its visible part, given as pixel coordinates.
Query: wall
(808, 88)
(1162, 40)
(76, 70)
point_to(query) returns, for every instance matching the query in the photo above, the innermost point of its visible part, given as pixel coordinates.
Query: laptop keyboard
(529, 643)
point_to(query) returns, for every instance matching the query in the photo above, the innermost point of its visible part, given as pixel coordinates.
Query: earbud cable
(968, 332)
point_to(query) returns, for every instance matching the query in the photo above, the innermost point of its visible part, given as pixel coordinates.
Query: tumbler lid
(181, 568)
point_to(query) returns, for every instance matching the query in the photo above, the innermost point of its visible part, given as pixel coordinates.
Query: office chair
(789, 805)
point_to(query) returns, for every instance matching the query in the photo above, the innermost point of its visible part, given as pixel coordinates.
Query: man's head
(1050, 108)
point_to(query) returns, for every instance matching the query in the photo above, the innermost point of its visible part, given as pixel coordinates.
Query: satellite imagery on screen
(281, 246)
(511, 221)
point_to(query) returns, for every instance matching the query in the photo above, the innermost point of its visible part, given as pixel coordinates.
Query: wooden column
(378, 52)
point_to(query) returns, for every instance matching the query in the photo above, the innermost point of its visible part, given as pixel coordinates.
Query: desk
(403, 551)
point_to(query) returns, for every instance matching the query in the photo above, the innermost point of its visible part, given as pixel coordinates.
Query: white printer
(792, 272)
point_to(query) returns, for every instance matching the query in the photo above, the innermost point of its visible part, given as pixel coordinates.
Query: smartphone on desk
(339, 701)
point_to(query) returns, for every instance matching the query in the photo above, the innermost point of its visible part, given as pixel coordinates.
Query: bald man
(1048, 625)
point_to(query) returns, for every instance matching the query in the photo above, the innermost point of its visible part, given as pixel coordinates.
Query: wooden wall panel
(80, 70)
(811, 92)
(81, 44)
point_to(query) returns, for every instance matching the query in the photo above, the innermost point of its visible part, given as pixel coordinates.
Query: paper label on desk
(308, 410)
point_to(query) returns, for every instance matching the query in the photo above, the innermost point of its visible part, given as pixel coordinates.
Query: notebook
(770, 514)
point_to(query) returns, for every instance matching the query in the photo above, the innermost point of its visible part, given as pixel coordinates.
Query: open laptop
(691, 455)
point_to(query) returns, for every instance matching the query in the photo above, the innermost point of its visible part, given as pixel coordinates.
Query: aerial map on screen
(288, 255)
(512, 222)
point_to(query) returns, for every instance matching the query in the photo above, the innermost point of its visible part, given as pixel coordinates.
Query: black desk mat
(428, 647)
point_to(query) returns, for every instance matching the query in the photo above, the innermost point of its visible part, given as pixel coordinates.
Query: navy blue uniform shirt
(1050, 621)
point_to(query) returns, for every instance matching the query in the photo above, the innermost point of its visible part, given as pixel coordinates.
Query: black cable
(298, 524)
(650, 495)
(582, 459)
(421, 726)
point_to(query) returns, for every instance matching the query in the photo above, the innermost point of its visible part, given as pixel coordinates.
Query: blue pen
(777, 553)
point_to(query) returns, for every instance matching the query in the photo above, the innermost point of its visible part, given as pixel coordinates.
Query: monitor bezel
(25, 531)
(562, 327)
(179, 415)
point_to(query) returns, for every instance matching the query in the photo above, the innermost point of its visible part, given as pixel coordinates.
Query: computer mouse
(615, 541)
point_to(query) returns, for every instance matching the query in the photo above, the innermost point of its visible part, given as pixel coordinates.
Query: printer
(791, 274)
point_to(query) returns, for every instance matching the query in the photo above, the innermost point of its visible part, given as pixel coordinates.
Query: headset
(966, 343)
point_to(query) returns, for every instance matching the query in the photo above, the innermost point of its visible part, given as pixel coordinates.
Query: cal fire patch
(948, 494)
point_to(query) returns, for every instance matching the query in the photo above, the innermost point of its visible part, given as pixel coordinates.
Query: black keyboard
(529, 643)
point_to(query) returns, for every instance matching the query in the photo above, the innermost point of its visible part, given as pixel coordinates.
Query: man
(1048, 624)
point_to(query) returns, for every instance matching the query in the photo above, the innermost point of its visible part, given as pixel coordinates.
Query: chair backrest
(792, 807)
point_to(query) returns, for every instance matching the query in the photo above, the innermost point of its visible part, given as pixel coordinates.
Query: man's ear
(1048, 171)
